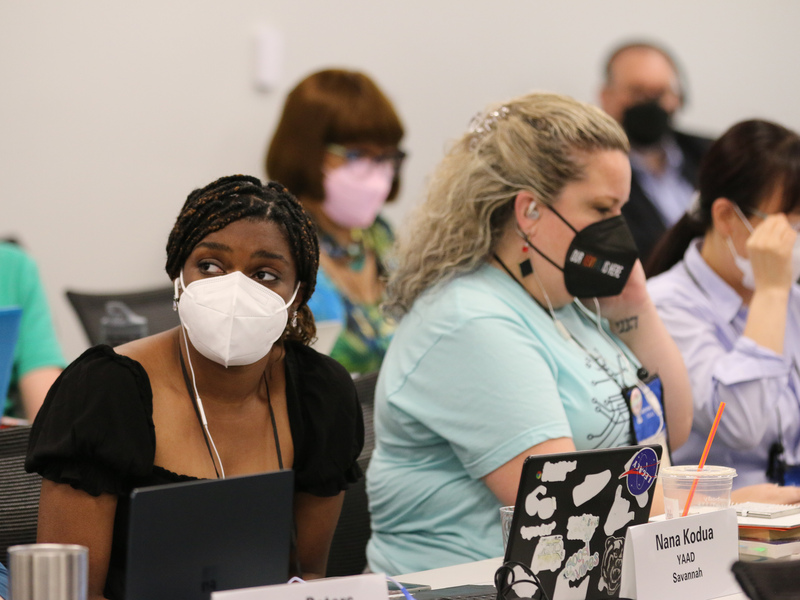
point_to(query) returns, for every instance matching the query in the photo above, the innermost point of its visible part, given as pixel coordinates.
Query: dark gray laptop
(187, 540)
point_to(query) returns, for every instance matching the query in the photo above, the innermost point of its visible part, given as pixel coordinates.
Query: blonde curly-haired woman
(494, 358)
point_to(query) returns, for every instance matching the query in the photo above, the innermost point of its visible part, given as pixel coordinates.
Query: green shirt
(37, 345)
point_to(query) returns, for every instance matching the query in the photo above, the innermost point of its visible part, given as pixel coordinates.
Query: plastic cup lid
(691, 472)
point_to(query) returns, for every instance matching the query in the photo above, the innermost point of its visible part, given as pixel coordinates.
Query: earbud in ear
(532, 212)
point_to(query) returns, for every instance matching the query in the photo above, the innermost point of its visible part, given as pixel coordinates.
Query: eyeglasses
(395, 157)
(762, 215)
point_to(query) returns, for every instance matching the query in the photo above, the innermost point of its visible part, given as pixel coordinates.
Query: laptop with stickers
(571, 516)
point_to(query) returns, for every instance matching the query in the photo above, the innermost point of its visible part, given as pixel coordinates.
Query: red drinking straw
(703, 458)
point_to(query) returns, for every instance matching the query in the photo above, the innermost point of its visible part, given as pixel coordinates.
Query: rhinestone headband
(482, 123)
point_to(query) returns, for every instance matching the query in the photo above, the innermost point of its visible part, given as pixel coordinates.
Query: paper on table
(785, 522)
(764, 510)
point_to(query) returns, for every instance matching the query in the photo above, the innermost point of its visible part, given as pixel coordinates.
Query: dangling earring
(294, 320)
(525, 267)
(175, 295)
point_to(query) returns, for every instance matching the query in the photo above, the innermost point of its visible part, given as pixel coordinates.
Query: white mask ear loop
(294, 295)
(198, 401)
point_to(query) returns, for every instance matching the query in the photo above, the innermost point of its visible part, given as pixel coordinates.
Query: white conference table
(479, 573)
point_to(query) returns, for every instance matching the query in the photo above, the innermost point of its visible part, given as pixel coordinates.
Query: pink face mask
(356, 192)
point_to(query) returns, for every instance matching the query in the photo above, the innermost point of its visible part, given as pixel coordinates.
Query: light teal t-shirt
(476, 374)
(37, 345)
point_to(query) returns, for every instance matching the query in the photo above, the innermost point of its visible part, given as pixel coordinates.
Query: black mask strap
(556, 213)
(539, 252)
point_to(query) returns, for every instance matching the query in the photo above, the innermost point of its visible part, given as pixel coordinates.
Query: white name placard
(357, 587)
(688, 558)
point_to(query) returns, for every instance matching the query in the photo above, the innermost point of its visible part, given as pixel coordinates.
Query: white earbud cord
(198, 400)
(598, 323)
(639, 383)
(199, 403)
(562, 329)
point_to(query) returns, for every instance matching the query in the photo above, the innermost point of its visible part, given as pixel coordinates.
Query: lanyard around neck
(600, 363)
(203, 429)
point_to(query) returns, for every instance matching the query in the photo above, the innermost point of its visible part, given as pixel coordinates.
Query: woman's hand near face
(770, 250)
(631, 301)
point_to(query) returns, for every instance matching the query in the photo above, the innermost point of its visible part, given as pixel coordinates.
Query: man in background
(643, 91)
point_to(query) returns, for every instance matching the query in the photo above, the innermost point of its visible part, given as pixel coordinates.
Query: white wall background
(111, 112)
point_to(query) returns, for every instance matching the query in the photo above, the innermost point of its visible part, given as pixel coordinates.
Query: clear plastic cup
(506, 516)
(713, 491)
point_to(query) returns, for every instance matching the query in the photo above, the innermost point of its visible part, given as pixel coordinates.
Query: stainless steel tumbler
(48, 572)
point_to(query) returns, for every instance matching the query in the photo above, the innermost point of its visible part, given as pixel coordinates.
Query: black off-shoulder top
(95, 432)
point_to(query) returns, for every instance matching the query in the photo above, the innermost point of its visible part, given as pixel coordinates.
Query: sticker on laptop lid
(641, 473)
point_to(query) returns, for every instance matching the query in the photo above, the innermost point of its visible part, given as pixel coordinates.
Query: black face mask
(599, 259)
(646, 123)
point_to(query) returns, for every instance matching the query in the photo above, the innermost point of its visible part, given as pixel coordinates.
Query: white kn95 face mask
(232, 319)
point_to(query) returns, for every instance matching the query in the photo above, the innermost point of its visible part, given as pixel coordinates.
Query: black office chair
(19, 491)
(768, 580)
(155, 305)
(348, 555)
(365, 390)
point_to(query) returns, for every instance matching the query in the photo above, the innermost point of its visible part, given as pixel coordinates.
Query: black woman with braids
(240, 253)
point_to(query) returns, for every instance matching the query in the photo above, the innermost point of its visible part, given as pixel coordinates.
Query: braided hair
(238, 197)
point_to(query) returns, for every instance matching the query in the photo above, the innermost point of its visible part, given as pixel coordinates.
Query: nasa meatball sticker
(641, 473)
(688, 558)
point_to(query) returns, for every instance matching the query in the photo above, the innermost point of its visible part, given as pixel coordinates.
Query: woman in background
(38, 359)
(731, 303)
(336, 148)
(243, 259)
